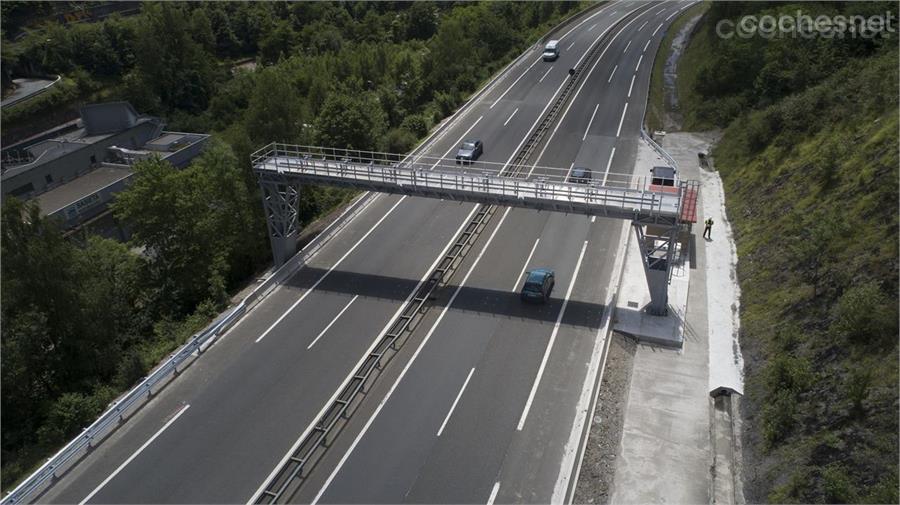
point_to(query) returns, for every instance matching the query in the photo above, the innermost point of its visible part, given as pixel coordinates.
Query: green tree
(278, 42)
(194, 225)
(352, 121)
(865, 314)
(202, 30)
(274, 111)
(170, 62)
(39, 317)
(421, 20)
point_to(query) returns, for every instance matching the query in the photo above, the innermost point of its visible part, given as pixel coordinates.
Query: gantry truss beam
(621, 197)
(657, 213)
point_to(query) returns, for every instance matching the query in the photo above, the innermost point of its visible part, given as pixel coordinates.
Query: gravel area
(598, 467)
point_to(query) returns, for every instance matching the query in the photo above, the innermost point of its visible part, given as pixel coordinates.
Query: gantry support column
(657, 245)
(281, 204)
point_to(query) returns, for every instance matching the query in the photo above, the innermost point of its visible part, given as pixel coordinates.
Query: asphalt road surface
(479, 403)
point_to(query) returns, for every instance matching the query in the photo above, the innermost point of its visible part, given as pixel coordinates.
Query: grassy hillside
(658, 101)
(809, 157)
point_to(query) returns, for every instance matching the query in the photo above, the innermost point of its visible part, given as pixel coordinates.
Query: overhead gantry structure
(657, 209)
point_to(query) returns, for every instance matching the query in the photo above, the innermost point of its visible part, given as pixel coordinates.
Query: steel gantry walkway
(657, 214)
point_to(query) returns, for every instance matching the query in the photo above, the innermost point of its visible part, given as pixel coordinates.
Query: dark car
(538, 285)
(580, 175)
(469, 151)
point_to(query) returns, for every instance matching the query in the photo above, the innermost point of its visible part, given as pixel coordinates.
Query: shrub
(837, 485)
(778, 417)
(415, 123)
(864, 314)
(400, 140)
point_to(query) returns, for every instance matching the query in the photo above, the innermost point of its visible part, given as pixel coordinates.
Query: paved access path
(25, 88)
(666, 453)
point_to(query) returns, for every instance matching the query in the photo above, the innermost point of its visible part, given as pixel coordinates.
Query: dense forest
(81, 322)
(809, 158)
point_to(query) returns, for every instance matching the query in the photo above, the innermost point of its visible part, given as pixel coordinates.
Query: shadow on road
(490, 302)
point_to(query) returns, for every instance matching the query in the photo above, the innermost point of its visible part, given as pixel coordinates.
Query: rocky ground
(598, 468)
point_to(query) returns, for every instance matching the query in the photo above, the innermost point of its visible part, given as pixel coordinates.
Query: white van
(551, 50)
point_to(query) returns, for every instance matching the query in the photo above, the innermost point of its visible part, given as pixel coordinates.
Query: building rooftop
(74, 170)
(88, 184)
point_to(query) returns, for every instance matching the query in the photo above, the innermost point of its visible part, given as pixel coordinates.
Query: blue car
(538, 285)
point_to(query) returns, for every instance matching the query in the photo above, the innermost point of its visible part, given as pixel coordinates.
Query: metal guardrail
(197, 343)
(656, 147)
(202, 340)
(367, 164)
(120, 407)
(381, 171)
(647, 137)
(110, 419)
(33, 94)
(373, 362)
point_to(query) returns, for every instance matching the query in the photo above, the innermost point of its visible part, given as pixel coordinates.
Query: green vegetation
(657, 102)
(809, 158)
(81, 323)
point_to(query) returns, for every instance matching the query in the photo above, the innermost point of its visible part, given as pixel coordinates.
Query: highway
(479, 403)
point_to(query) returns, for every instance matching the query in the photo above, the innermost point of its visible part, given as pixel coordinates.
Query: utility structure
(659, 206)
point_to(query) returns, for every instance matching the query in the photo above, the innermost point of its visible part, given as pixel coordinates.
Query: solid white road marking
(136, 453)
(583, 82)
(631, 86)
(458, 142)
(585, 20)
(647, 45)
(458, 396)
(365, 355)
(562, 312)
(622, 120)
(465, 222)
(510, 116)
(338, 316)
(338, 262)
(636, 67)
(611, 74)
(588, 402)
(326, 230)
(609, 164)
(545, 74)
(586, 130)
(493, 493)
(412, 360)
(525, 266)
(626, 47)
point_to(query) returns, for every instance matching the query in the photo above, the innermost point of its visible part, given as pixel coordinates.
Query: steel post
(657, 246)
(281, 200)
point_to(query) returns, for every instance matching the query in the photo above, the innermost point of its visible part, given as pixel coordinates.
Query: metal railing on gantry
(542, 188)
